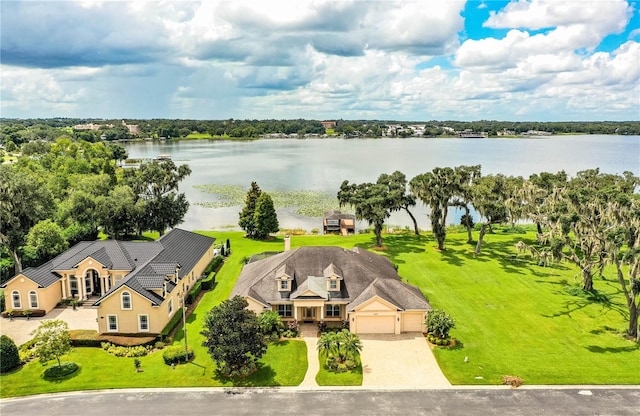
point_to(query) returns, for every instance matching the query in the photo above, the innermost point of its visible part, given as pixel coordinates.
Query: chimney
(287, 243)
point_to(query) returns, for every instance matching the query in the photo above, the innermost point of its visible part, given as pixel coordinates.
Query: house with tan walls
(333, 284)
(135, 286)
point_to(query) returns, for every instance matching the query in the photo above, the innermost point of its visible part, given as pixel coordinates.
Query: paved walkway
(20, 329)
(312, 359)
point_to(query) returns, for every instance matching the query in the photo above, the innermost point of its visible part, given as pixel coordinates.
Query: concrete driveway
(400, 361)
(19, 330)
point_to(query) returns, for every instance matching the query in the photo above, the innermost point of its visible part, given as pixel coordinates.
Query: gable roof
(364, 275)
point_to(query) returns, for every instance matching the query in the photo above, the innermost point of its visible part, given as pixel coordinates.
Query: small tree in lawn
(271, 325)
(439, 323)
(233, 337)
(341, 348)
(51, 340)
(9, 356)
(265, 219)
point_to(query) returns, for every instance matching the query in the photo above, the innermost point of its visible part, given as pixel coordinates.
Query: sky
(520, 60)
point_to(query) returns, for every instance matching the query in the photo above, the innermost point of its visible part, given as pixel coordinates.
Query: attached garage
(412, 321)
(375, 324)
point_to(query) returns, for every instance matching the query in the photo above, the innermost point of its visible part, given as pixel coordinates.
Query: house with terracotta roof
(135, 286)
(334, 285)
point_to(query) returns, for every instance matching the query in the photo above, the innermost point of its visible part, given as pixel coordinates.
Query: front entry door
(309, 314)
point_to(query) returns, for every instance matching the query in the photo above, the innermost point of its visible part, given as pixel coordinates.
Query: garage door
(375, 324)
(412, 322)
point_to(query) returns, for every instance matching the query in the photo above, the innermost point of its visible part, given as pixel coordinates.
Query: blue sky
(506, 60)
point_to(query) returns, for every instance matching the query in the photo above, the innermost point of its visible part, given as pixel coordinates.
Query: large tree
(24, 201)
(157, 183)
(580, 214)
(51, 340)
(440, 189)
(265, 219)
(247, 215)
(402, 200)
(371, 201)
(490, 194)
(233, 337)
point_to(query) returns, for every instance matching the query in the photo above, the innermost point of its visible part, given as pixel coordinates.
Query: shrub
(194, 292)
(28, 312)
(513, 381)
(60, 371)
(172, 324)
(120, 351)
(439, 323)
(159, 345)
(176, 355)
(208, 282)
(9, 355)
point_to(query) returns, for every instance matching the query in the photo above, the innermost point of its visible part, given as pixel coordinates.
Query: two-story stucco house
(136, 286)
(328, 284)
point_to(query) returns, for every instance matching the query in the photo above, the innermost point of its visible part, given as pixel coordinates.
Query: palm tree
(341, 348)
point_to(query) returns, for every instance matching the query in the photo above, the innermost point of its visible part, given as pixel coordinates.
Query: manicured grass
(326, 377)
(197, 136)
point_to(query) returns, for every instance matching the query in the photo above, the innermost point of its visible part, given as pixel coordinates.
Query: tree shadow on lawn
(612, 350)
(581, 299)
(264, 376)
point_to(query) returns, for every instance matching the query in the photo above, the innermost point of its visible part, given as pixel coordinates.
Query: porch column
(321, 313)
(102, 285)
(64, 282)
(295, 312)
(81, 286)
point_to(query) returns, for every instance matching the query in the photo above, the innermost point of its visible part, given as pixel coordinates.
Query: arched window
(15, 297)
(33, 299)
(126, 300)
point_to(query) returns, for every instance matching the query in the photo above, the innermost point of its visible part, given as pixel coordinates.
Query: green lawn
(513, 318)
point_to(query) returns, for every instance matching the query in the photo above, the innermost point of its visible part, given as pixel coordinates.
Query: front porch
(312, 312)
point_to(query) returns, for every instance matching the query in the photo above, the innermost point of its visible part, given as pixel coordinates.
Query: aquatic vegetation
(304, 203)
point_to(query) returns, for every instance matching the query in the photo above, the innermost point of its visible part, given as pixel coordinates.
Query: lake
(322, 165)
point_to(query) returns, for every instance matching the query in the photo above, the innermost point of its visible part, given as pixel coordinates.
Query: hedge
(209, 282)
(194, 292)
(176, 355)
(172, 324)
(214, 265)
(35, 313)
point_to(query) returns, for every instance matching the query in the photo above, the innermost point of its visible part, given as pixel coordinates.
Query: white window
(33, 300)
(333, 311)
(143, 323)
(112, 323)
(284, 285)
(15, 297)
(333, 284)
(170, 306)
(284, 311)
(126, 300)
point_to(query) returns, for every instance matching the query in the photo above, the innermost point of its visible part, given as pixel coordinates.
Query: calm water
(322, 164)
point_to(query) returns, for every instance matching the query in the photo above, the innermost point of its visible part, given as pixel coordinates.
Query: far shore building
(328, 124)
(136, 287)
(334, 285)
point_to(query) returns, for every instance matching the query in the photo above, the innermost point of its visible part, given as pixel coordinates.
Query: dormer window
(284, 285)
(333, 284)
(284, 276)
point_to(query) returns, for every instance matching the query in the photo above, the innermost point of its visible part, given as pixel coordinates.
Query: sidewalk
(312, 360)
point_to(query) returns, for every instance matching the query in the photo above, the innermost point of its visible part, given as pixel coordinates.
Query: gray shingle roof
(364, 274)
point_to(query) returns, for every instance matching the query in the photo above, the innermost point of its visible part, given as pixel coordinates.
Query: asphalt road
(525, 402)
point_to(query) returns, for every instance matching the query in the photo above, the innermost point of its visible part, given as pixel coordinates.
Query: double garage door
(375, 324)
